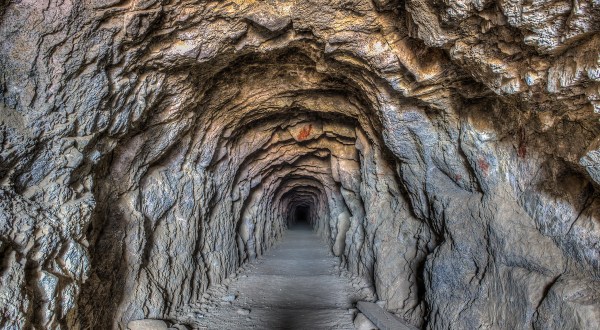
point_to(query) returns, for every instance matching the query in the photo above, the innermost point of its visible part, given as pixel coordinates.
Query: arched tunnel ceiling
(447, 153)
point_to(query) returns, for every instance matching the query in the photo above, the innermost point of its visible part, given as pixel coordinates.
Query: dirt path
(296, 285)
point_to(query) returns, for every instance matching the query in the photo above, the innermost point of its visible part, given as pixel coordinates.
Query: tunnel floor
(295, 285)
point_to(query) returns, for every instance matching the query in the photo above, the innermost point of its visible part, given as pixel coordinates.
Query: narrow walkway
(295, 285)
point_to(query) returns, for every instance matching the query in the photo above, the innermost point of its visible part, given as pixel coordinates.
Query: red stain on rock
(522, 148)
(457, 177)
(305, 132)
(483, 165)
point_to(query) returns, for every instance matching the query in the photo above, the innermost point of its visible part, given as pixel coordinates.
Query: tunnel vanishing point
(446, 152)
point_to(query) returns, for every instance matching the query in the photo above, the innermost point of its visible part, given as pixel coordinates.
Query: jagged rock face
(448, 152)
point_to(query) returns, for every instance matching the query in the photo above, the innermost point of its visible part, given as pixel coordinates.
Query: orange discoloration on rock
(305, 132)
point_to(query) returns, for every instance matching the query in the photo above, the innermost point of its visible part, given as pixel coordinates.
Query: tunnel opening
(301, 216)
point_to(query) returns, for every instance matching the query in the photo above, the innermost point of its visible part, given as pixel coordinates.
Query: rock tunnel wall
(446, 152)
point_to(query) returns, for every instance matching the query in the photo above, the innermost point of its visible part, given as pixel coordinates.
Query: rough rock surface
(447, 151)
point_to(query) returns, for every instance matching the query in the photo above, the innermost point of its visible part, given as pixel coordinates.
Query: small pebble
(243, 311)
(229, 297)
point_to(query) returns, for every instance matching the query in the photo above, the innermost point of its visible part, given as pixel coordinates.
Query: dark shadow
(302, 214)
(300, 218)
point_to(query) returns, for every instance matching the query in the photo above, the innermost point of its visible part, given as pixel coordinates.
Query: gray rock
(229, 297)
(361, 322)
(180, 327)
(243, 311)
(147, 324)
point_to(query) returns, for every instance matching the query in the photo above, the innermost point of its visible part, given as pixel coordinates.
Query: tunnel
(283, 164)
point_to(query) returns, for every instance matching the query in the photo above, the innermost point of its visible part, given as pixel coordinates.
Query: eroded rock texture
(448, 152)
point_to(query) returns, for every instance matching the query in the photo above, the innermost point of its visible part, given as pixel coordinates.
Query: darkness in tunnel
(299, 217)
